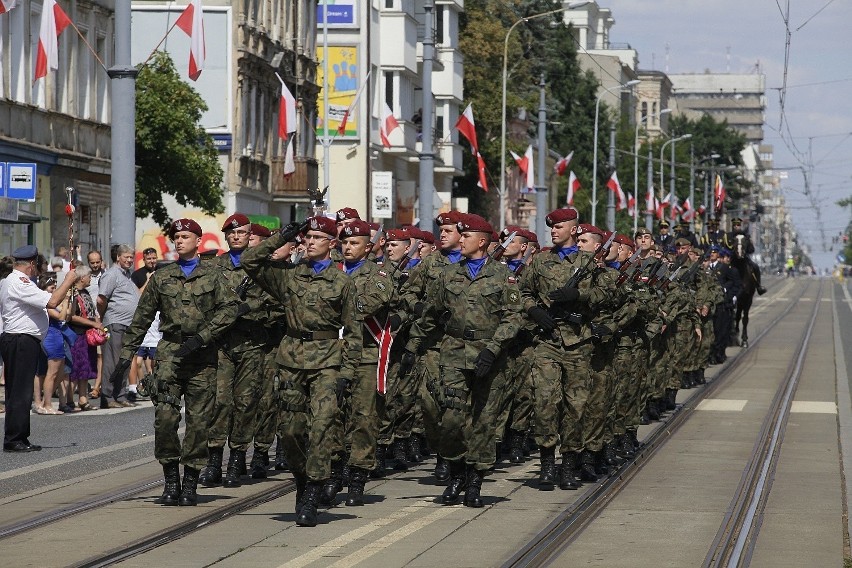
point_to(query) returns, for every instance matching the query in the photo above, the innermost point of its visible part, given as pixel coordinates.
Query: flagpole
(326, 141)
(426, 195)
(144, 63)
(76, 29)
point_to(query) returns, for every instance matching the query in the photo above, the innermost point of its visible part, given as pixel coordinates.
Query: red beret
(375, 226)
(585, 228)
(184, 225)
(508, 231)
(448, 218)
(356, 228)
(324, 224)
(474, 223)
(606, 235)
(495, 236)
(528, 235)
(347, 213)
(426, 236)
(260, 230)
(234, 221)
(625, 240)
(560, 216)
(398, 235)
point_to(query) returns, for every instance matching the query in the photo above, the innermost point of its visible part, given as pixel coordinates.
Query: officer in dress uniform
(663, 237)
(738, 233)
(682, 232)
(23, 306)
(713, 236)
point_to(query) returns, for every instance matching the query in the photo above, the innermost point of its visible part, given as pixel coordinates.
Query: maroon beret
(356, 228)
(426, 236)
(184, 225)
(624, 240)
(528, 235)
(375, 226)
(347, 213)
(495, 236)
(504, 234)
(260, 230)
(448, 218)
(234, 221)
(560, 216)
(474, 223)
(323, 224)
(585, 228)
(398, 235)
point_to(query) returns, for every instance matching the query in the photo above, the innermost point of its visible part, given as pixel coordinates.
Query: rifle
(587, 267)
(524, 261)
(658, 271)
(671, 277)
(408, 254)
(623, 276)
(498, 250)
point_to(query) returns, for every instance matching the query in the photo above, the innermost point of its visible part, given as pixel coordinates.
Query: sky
(737, 36)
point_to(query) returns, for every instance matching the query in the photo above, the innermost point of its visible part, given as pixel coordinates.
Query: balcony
(296, 186)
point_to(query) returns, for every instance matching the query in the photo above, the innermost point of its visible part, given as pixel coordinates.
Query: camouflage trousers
(600, 408)
(630, 364)
(307, 414)
(194, 381)
(518, 413)
(681, 346)
(560, 380)
(398, 408)
(700, 354)
(361, 422)
(267, 408)
(659, 369)
(239, 383)
(428, 382)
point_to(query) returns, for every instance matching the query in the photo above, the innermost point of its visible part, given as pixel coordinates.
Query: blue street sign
(21, 181)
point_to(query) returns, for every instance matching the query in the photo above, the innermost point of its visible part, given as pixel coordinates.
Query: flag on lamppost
(562, 164)
(342, 128)
(54, 20)
(525, 164)
(719, 193)
(615, 187)
(573, 187)
(650, 200)
(631, 204)
(191, 21)
(467, 127)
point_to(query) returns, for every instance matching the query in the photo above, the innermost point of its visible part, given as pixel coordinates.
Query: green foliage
(174, 155)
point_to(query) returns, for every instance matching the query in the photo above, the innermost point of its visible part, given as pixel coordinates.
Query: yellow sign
(343, 77)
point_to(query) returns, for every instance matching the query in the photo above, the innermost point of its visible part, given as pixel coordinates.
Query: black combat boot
(442, 470)
(259, 463)
(307, 515)
(458, 481)
(671, 399)
(346, 474)
(634, 437)
(645, 417)
(472, 496)
(587, 467)
(400, 446)
(381, 462)
(425, 450)
(188, 493)
(686, 380)
(413, 451)
(301, 484)
(699, 377)
(568, 473)
(653, 409)
(333, 485)
(236, 464)
(280, 458)
(171, 489)
(547, 477)
(516, 447)
(211, 475)
(357, 480)
(625, 447)
(610, 458)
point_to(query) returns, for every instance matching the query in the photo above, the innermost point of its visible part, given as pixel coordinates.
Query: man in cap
(196, 308)
(713, 236)
(259, 233)
(739, 243)
(475, 309)
(23, 306)
(682, 232)
(731, 284)
(663, 237)
(645, 241)
(315, 363)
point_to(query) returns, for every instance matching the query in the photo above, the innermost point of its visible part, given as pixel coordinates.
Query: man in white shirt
(23, 306)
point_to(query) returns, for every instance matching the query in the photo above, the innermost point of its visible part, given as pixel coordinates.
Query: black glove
(341, 390)
(540, 316)
(120, 368)
(407, 362)
(484, 362)
(243, 309)
(189, 346)
(289, 232)
(564, 294)
(394, 321)
(445, 317)
(600, 331)
(418, 309)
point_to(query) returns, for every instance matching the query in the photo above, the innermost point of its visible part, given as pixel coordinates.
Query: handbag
(95, 337)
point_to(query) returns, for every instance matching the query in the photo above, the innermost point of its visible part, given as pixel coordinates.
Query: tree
(174, 154)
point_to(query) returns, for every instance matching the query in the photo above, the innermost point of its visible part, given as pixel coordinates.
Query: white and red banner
(719, 193)
(384, 339)
(54, 20)
(650, 201)
(573, 187)
(631, 204)
(615, 187)
(286, 112)
(467, 127)
(561, 165)
(342, 128)
(6, 5)
(289, 159)
(191, 21)
(525, 164)
(388, 124)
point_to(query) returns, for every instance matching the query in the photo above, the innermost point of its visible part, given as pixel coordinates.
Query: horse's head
(739, 248)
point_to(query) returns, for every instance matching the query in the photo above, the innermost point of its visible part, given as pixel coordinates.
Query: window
(389, 90)
(654, 113)
(389, 4)
(644, 110)
(439, 24)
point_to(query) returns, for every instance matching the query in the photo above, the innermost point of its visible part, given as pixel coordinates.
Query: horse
(741, 262)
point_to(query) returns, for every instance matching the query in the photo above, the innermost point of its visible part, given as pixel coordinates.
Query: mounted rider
(739, 238)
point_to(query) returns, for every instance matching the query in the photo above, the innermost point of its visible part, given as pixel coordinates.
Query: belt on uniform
(313, 335)
(469, 334)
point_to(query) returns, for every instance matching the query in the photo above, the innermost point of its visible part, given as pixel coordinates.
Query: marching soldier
(315, 364)
(196, 308)
(645, 241)
(729, 280)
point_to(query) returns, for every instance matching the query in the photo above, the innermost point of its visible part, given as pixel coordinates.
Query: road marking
(813, 407)
(720, 404)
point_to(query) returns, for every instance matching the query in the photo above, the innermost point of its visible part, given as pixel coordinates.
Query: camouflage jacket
(421, 288)
(373, 291)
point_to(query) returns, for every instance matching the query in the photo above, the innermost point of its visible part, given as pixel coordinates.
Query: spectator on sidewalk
(117, 301)
(84, 360)
(140, 277)
(51, 371)
(96, 264)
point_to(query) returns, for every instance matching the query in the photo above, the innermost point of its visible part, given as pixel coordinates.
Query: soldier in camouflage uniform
(196, 308)
(708, 294)
(561, 368)
(315, 363)
(475, 310)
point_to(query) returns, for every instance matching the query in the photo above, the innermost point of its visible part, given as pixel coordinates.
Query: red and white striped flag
(573, 187)
(561, 164)
(631, 205)
(6, 5)
(687, 212)
(650, 200)
(388, 125)
(286, 112)
(719, 193)
(289, 159)
(480, 168)
(342, 128)
(191, 21)
(527, 168)
(467, 127)
(661, 207)
(54, 20)
(615, 187)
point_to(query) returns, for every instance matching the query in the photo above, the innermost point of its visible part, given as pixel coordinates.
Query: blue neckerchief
(613, 264)
(514, 264)
(454, 256)
(319, 265)
(412, 263)
(350, 268)
(187, 266)
(235, 256)
(379, 259)
(566, 251)
(474, 265)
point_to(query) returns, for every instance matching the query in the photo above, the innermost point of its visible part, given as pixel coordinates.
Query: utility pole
(649, 215)
(427, 158)
(610, 198)
(541, 184)
(123, 137)
(692, 185)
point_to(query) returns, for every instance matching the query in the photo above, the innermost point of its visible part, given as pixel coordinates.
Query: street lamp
(501, 192)
(626, 85)
(636, 163)
(672, 141)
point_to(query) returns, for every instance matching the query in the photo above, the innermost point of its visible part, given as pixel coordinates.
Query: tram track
(546, 547)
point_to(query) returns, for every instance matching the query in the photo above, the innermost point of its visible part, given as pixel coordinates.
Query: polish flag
(719, 193)
(342, 128)
(289, 160)
(6, 5)
(688, 213)
(615, 187)
(54, 20)
(573, 187)
(661, 207)
(286, 112)
(191, 21)
(562, 164)
(480, 167)
(389, 124)
(631, 204)
(527, 168)
(650, 200)
(467, 127)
